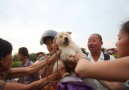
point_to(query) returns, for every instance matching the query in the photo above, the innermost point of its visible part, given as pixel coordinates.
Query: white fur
(67, 49)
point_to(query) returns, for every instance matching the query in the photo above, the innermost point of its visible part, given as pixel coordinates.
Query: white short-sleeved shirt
(99, 86)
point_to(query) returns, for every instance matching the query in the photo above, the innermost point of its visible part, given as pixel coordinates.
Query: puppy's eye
(60, 36)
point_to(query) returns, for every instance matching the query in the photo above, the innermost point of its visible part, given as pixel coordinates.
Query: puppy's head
(63, 38)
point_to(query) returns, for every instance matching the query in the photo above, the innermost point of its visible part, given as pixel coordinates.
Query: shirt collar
(26, 63)
(101, 58)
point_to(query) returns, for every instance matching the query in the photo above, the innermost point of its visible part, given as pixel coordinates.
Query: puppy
(64, 42)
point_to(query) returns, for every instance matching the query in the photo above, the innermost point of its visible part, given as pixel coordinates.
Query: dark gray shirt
(29, 78)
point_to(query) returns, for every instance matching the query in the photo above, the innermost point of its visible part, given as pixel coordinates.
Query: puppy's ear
(69, 32)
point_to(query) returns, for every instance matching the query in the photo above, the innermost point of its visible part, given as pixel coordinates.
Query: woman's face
(6, 62)
(122, 44)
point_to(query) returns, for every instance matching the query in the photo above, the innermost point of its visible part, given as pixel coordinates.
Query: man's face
(94, 44)
(20, 56)
(50, 45)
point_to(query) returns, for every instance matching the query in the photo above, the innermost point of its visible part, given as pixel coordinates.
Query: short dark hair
(99, 36)
(5, 48)
(125, 27)
(24, 51)
(40, 53)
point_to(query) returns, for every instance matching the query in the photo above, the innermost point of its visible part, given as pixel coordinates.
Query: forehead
(93, 36)
(122, 32)
(123, 35)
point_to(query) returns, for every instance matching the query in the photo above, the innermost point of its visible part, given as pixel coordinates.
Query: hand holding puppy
(79, 56)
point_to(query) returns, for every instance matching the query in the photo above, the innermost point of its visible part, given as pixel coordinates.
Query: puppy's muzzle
(66, 41)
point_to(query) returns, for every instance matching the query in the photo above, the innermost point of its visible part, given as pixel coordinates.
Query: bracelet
(84, 58)
(65, 74)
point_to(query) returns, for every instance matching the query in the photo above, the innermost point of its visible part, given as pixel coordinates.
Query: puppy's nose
(66, 38)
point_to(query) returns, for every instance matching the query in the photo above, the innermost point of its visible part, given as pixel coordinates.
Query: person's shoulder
(5, 75)
(28, 63)
(31, 62)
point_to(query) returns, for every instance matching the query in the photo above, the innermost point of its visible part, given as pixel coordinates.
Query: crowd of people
(98, 71)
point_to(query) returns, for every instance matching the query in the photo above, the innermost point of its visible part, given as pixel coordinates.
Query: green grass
(15, 64)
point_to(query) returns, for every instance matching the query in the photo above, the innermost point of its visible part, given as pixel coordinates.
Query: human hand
(57, 53)
(78, 56)
(61, 70)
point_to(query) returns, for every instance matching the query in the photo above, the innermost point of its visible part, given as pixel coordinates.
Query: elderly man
(96, 55)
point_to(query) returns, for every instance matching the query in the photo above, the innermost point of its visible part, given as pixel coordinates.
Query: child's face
(122, 44)
(51, 46)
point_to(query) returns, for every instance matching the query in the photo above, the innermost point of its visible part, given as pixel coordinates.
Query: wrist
(51, 77)
(84, 57)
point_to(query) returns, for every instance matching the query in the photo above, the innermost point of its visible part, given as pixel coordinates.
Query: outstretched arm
(111, 85)
(114, 70)
(36, 85)
(23, 71)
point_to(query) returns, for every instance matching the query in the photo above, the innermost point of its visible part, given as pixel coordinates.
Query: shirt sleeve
(2, 85)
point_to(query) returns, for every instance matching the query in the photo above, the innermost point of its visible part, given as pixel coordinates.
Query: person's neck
(95, 55)
(24, 60)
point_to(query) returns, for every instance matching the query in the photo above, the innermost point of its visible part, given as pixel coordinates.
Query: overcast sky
(22, 22)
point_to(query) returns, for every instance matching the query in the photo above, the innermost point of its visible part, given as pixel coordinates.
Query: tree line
(32, 57)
